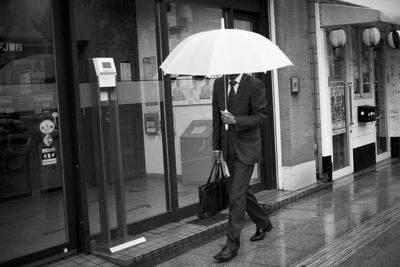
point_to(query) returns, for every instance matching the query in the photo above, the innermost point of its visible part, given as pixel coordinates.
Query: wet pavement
(356, 222)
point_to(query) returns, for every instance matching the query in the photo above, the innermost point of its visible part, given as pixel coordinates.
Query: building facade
(59, 185)
(321, 127)
(356, 79)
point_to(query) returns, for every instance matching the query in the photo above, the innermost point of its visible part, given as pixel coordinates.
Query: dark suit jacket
(250, 111)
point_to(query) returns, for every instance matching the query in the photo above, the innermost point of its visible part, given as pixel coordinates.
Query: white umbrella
(224, 51)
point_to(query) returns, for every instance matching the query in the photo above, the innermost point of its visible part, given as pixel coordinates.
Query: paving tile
(389, 256)
(70, 264)
(370, 251)
(98, 260)
(345, 216)
(390, 235)
(286, 225)
(90, 264)
(238, 263)
(275, 256)
(333, 230)
(107, 264)
(297, 214)
(300, 241)
(56, 264)
(211, 248)
(139, 259)
(79, 260)
(190, 259)
(354, 262)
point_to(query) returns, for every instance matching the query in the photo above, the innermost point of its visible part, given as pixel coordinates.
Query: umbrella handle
(226, 125)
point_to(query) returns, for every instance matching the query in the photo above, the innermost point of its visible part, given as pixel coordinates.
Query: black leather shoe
(226, 254)
(260, 233)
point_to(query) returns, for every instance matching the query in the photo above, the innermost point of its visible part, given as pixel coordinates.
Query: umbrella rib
(214, 53)
(213, 49)
(255, 49)
(183, 46)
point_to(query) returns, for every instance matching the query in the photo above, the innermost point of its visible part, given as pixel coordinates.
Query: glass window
(361, 65)
(191, 102)
(355, 60)
(365, 69)
(31, 177)
(125, 31)
(380, 98)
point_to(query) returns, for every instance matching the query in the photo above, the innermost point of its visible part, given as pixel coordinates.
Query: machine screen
(106, 65)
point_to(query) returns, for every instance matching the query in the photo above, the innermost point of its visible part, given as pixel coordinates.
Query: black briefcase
(214, 195)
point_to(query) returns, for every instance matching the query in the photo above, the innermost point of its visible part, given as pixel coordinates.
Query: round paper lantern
(393, 39)
(337, 37)
(371, 36)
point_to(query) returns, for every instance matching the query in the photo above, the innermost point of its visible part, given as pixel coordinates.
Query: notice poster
(338, 107)
(48, 155)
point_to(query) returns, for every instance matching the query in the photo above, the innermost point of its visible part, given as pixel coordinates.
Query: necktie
(231, 94)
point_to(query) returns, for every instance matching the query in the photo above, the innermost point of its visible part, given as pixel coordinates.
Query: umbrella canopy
(224, 51)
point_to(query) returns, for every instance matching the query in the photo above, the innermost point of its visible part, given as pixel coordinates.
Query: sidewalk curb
(169, 238)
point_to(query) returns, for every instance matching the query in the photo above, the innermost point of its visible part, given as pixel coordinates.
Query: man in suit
(241, 149)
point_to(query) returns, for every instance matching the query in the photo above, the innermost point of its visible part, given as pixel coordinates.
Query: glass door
(191, 102)
(380, 98)
(124, 30)
(32, 195)
(340, 93)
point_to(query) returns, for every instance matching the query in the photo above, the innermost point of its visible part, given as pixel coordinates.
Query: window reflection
(31, 178)
(361, 64)
(365, 66)
(125, 31)
(337, 81)
(191, 102)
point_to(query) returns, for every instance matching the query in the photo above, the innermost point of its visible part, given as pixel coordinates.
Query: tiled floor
(82, 260)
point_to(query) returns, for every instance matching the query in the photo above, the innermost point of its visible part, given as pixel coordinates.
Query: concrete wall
(297, 115)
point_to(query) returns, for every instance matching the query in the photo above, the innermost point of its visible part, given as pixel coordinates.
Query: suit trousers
(241, 199)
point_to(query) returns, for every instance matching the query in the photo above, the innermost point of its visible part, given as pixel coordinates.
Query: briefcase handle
(219, 171)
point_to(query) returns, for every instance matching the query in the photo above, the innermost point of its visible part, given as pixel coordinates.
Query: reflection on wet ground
(356, 222)
(307, 226)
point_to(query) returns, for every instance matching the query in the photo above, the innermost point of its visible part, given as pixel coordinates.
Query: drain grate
(207, 222)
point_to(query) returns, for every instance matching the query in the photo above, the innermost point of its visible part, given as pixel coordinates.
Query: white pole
(275, 102)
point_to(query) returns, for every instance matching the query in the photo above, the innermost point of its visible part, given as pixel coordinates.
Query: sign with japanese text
(338, 107)
(48, 155)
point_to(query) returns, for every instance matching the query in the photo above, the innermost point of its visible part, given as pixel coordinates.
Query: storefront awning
(386, 6)
(332, 15)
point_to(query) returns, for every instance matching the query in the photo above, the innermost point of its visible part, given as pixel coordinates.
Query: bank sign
(10, 47)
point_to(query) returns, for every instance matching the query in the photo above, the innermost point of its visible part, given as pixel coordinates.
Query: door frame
(349, 93)
(387, 154)
(74, 195)
(268, 167)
